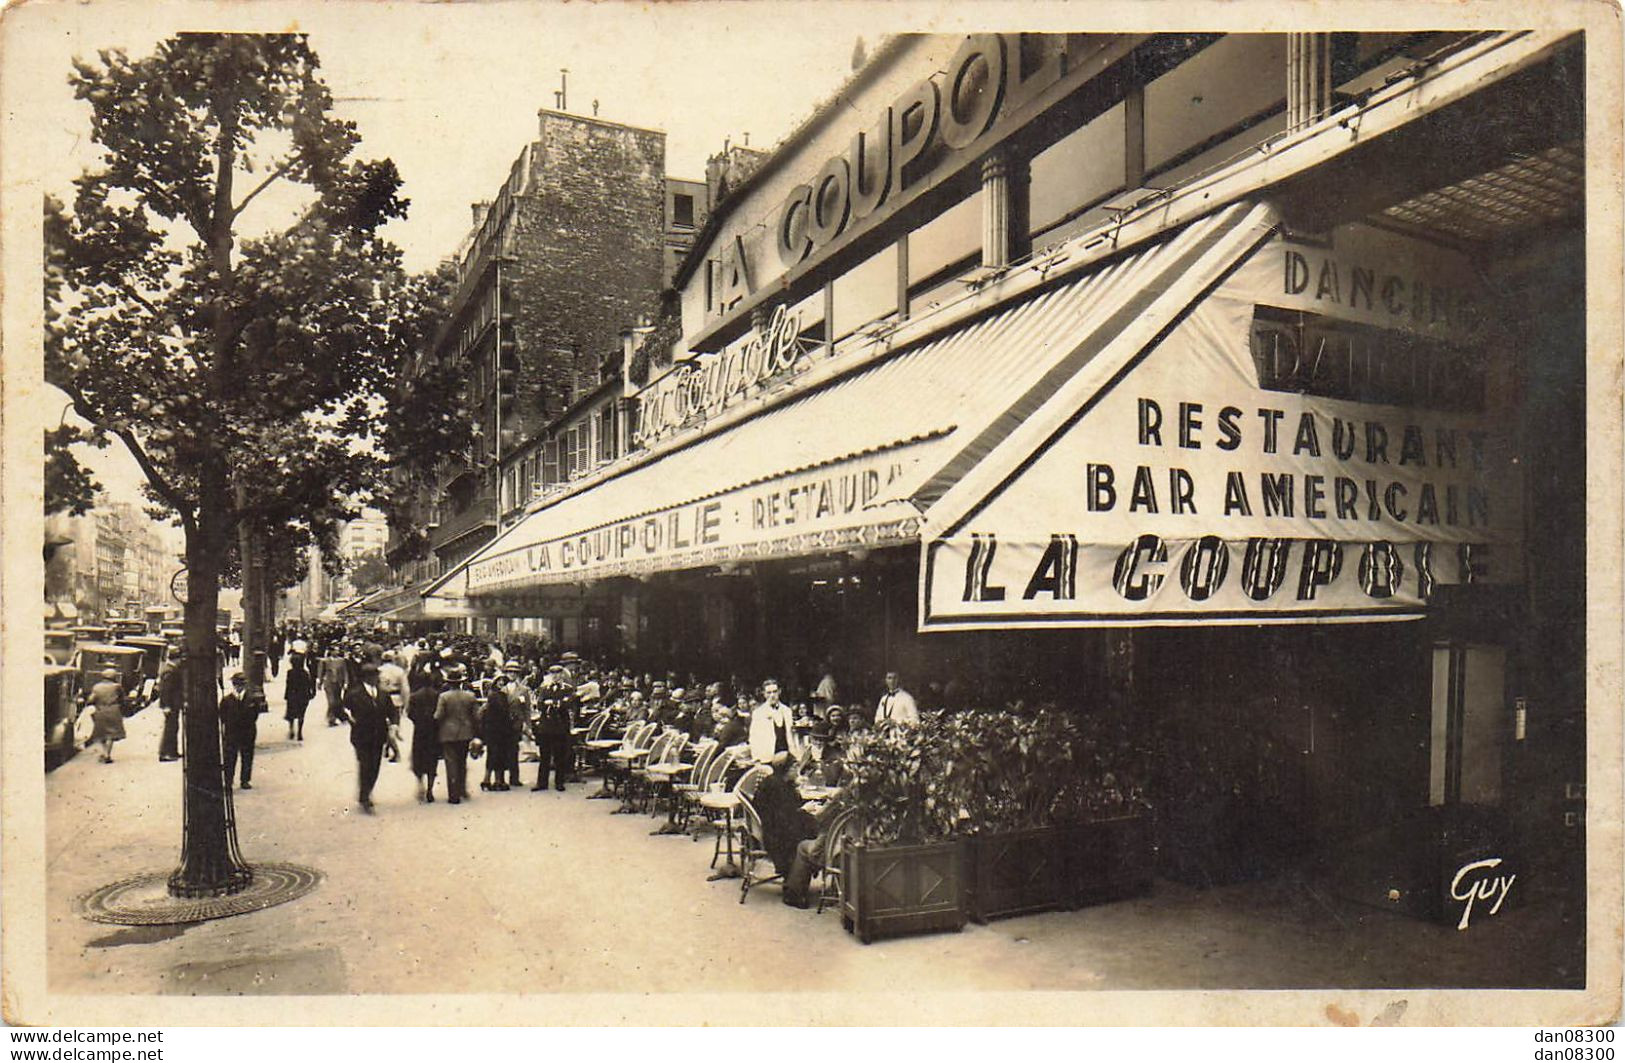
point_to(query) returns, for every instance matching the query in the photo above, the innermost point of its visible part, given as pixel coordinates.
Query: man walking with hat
(454, 715)
(239, 720)
(373, 720)
(171, 693)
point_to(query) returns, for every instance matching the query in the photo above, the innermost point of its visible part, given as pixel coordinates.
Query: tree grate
(144, 900)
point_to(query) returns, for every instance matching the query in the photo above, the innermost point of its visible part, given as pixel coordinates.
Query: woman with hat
(106, 704)
(454, 716)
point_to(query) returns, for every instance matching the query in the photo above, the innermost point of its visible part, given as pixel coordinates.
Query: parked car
(92, 657)
(59, 643)
(61, 713)
(152, 650)
(120, 627)
(91, 632)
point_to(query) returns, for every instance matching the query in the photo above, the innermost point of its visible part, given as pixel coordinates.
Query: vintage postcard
(811, 513)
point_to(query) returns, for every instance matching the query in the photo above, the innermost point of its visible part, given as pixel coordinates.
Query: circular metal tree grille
(144, 900)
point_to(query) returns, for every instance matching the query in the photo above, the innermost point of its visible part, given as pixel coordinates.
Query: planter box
(903, 889)
(1107, 860)
(1044, 869)
(1015, 873)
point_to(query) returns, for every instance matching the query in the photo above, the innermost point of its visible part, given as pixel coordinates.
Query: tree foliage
(247, 370)
(69, 486)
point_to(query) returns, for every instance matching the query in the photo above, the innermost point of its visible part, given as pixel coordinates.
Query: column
(996, 209)
(1308, 77)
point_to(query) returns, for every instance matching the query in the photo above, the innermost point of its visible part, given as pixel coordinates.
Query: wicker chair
(752, 849)
(668, 749)
(841, 833)
(663, 777)
(618, 765)
(700, 782)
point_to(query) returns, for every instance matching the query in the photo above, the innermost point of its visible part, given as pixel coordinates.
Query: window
(1227, 85)
(682, 210)
(950, 237)
(606, 433)
(550, 463)
(1082, 168)
(865, 293)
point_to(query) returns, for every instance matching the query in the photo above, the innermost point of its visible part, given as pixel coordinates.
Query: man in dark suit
(239, 719)
(171, 693)
(552, 734)
(373, 720)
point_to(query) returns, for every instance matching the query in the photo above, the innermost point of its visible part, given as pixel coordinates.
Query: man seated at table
(809, 855)
(733, 723)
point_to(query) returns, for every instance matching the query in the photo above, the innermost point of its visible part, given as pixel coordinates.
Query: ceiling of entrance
(1542, 189)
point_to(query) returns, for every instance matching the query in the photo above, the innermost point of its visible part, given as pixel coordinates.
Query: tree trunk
(211, 865)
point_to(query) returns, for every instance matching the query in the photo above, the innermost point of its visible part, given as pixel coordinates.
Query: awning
(1288, 429)
(841, 466)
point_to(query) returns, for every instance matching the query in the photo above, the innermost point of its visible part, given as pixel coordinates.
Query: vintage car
(59, 643)
(121, 627)
(91, 632)
(61, 713)
(153, 649)
(92, 657)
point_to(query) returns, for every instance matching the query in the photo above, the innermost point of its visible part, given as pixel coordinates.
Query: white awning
(1282, 430)
(845, 466)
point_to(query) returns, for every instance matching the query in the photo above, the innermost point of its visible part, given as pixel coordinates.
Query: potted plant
(1054, 817)
(903, 873)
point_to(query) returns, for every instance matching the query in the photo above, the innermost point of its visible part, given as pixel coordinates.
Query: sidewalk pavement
(524, 892)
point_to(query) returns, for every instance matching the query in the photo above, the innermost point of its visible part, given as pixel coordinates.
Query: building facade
(576, 245)
(1180, 374)
(112, 561)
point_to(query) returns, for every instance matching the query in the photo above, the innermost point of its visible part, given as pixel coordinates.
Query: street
(525, 892)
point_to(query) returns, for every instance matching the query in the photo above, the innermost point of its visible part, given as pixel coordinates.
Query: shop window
(865, 293)
(946, 240)
(1208, 98)
(1077, 171)
(1469, 725)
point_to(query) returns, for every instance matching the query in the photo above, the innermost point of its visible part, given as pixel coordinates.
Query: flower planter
(1106, 860)
(1043, 869)
(902, 889)
(1015, 873)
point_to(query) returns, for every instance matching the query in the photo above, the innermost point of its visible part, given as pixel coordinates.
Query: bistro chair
(700, 783)
(662, 777)
(842, 832)
(668, 750)
(618, 765)
(580, 737)
(752, 848)
(724, 806)
(598, 746)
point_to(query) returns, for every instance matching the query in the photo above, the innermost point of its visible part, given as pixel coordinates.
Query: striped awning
(841, 466)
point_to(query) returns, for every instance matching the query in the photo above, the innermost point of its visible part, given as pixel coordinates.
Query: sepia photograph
(966, 513)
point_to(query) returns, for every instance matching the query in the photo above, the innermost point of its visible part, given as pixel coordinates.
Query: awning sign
(1325, 435)
(849, 504)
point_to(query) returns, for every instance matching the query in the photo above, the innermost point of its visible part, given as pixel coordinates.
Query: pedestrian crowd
(442, 702)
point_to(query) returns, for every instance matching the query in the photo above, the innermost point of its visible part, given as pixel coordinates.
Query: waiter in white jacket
(896, 704)
(773, 737)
